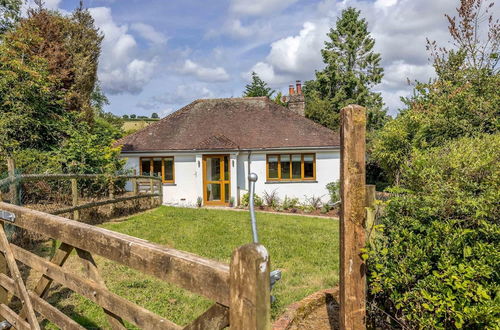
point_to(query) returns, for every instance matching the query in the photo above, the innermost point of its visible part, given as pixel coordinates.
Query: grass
(305, 249)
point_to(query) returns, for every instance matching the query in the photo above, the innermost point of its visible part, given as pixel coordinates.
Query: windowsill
(290, 181)
(168, 184)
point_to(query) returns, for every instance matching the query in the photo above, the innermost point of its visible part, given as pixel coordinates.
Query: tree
(352, 70)
(154, 115)
(258, 87)
(462, 101)
(133, 116)
(10, 12)
(125, 117)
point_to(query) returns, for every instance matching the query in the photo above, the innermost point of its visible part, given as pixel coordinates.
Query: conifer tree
(352, 69)
(258, 87)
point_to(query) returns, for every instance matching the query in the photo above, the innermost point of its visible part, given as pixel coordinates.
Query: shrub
(271, 199)
(257, 200)
(290, 203)
(199, 201)
(437, 264)
(334, 191)
(312, 203)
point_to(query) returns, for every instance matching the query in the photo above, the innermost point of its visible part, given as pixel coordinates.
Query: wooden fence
(240, 291)
(143, 187)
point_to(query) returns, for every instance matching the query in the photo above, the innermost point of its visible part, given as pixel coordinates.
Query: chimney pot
(291, 91)
(299, 87)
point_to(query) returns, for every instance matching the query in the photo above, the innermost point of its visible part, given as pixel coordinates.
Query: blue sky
(160, 55)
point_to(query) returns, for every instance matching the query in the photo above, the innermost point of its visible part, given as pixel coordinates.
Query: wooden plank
(47, 310)
(370, 211)
(91, 272)
(216, 317)
(13, 188)
(43, 285)
(95, 292)
(74, 194)
(352, 218)
(103, 202)
(14, 319)
(16, 275)
(197, 274)
(250, 297)
(111, 189)
(35, 177)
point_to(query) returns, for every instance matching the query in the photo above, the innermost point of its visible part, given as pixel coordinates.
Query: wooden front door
(216, 180)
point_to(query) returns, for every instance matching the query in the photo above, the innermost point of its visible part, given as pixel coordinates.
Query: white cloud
(149, 33)
(216, 74)
(259, 7)
(400, 29)
(121, 69)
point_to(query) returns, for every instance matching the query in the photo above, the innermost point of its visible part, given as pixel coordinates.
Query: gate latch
(7, 216)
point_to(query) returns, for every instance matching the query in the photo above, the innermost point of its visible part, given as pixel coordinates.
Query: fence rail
(143, 187)
(240, 291)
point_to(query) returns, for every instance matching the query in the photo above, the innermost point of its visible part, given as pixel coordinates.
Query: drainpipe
(249, 161)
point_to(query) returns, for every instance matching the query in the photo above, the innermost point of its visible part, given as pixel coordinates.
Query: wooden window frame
(162, 167)
(302, 178)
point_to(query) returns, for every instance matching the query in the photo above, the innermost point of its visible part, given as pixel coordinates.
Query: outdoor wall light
(198, 164)
(233, 162)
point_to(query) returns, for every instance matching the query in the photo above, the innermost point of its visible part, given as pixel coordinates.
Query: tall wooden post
(112, 195)
(160, 191)
(249, 288)
(74, 194)
(352, 218)
(152, 190)
(13, 188)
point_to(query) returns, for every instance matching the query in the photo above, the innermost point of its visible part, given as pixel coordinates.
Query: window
(162, 167)
(290, 167)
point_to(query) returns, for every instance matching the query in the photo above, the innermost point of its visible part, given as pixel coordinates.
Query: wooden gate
(240, 291)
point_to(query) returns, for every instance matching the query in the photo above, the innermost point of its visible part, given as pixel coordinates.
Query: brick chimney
(296, 101)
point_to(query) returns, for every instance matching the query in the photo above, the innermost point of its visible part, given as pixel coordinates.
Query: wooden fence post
(370, 210)
(13, 188)
(352, 218)
(112, 195)
(160, 191)
(74, 194)
(152, 190)
(249, 288)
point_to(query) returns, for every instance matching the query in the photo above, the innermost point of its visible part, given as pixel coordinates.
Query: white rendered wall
(327, 170)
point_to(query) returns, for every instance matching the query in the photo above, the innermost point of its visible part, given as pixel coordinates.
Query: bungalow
(207, 149)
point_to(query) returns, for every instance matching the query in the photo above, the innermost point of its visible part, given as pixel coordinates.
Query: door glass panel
(213, 169)
(285, 166)
(272, 162)
(296, 166)
(145, 166)
(157, 167)
(169, 169)
(226, 168)
(213, 192)
(226, 192)
(308, 166)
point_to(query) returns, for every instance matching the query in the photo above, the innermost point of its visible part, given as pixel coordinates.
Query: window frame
(151, 167)
(302, 178)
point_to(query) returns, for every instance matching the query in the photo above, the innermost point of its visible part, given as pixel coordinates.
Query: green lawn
(305, 249)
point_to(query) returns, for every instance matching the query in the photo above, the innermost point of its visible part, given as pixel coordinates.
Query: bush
(290, 203)
(257, 200)
(334, 191)
(312, 203)
(271, 199)
(437, 264)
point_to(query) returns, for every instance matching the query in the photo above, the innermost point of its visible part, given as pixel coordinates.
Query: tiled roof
(232, 123)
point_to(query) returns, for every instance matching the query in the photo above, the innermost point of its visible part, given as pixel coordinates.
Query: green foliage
(133, 116)
(258, 87)
(290, 203)
(437, 264)
(154, 115)
(438, 112)
(334, 191)
(352, 69)
(257, 200)
(271, 199)
(278, 99)
(10, 12)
